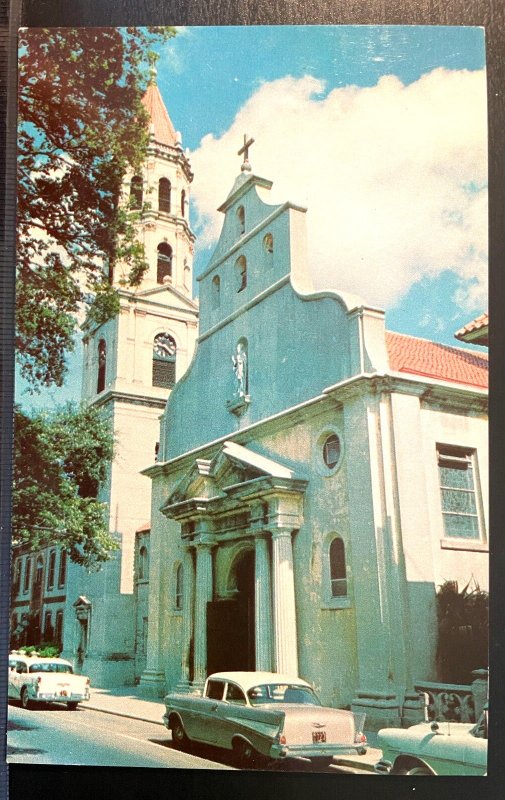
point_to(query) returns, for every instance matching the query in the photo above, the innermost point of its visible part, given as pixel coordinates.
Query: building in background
(131, 364)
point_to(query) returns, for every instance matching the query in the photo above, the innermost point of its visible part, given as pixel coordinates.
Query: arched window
(216, 291)
(62, 572)
(136, 192)
(268, 244)
(164, 192)
(164, 264)
(143, 563)
(241, 220)
(241, 270)
(164, 358)
(102, 363)
(338, 572)
(50, 569)
(183, 203)
(179, 579)
(39, 570)
(331, 450)
(17, 577)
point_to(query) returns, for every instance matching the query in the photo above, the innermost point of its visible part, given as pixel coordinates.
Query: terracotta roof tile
(475, 325)
(144, 528)
(164, 131)
(432, 360)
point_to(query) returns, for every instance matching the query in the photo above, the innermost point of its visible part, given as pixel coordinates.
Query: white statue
(239, 360)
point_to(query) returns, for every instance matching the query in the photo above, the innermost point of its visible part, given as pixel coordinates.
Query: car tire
(246, 756)
(412, 771)
(179, 738)
(72, 705)
(25, 700)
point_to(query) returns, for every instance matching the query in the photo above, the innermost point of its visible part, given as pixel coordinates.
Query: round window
(331, 450)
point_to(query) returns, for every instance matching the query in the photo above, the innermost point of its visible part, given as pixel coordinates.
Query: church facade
(131, 364)
(318, 478)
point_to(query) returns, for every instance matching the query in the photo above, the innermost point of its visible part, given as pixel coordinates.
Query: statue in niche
(239, 360)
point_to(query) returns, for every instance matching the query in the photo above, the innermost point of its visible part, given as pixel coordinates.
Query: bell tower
(131, 364)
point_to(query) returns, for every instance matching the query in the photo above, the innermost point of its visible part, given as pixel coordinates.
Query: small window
(183, 203)
(164, 263)
(143, 563)
(58, 630)
(216, 291)
(215, 690)
(235, 695)
(241, 270)
(17, 577)
(331, 451)
(164, 361)
(62, 573)
(136, 192)
(338, 574)
(268, 244)
(241, 220)
(28, 574)
(102, 363)
(145, 631)
(51, 569)
(179, 587)
(460, 506)
(48, 628)
(164, 195)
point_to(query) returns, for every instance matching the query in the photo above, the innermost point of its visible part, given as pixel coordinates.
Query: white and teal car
(434, 748)
(33, 679)
(263, 717)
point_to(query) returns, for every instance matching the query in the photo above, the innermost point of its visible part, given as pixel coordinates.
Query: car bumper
(57, 698)
(309, 751)
(383, 767)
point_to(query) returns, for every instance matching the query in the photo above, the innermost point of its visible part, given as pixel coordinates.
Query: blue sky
(379, 131)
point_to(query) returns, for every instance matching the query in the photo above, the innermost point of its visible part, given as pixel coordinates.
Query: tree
(60, 461)
(463, 631)
(81, 127)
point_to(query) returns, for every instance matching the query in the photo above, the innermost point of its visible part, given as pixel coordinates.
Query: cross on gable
(245, 150)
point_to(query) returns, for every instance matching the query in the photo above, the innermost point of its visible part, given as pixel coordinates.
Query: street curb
(341, 762)
(122, 714)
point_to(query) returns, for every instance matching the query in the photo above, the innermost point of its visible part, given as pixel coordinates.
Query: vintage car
(434, 748)
(263, 716)
(45, 680)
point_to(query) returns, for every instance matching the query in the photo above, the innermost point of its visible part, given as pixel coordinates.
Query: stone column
(262, 604)
(203, 595)
(284, 609)
(188, 577)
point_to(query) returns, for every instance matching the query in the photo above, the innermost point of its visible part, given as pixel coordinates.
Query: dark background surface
(28, 782)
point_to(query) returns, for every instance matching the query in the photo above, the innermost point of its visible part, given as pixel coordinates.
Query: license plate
(318, 737)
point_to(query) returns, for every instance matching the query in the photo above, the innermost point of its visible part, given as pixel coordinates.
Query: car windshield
(282, 693)
(50, 667)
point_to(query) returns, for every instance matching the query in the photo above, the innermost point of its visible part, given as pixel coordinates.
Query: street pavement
(122, 727)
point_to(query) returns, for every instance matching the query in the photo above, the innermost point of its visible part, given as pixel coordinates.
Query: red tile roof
(475, 325)
(432, 360)
(144, 528)
(164, 131)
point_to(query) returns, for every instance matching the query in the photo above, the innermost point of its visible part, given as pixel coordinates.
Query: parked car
(263, 716)
(436, 748)
(45, 680)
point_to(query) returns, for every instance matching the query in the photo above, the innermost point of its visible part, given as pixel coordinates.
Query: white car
(435, 748)
(45, 680)
(263, 717)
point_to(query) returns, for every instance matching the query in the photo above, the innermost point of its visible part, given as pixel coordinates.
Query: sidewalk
(129, 701)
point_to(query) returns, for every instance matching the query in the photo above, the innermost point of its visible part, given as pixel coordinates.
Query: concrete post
(263, 604)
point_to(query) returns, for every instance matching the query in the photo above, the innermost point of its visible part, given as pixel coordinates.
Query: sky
(379, 131)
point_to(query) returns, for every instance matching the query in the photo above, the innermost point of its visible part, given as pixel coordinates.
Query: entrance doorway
(230, 622)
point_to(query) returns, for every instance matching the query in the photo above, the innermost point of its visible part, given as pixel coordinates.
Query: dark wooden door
(230, 635)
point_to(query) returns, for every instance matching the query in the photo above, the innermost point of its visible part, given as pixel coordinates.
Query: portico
(235, 504)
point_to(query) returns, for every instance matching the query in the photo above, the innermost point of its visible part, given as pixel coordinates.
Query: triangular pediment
(158, 292)
(234, 464)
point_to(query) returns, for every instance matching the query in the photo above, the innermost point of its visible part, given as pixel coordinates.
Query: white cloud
(394, 178)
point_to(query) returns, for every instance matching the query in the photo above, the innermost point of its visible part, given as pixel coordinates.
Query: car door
(229, 714)
(207, 724)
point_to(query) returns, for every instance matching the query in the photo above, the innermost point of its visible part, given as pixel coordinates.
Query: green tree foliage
(463, 631)
(59, 463)
(81, 126)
